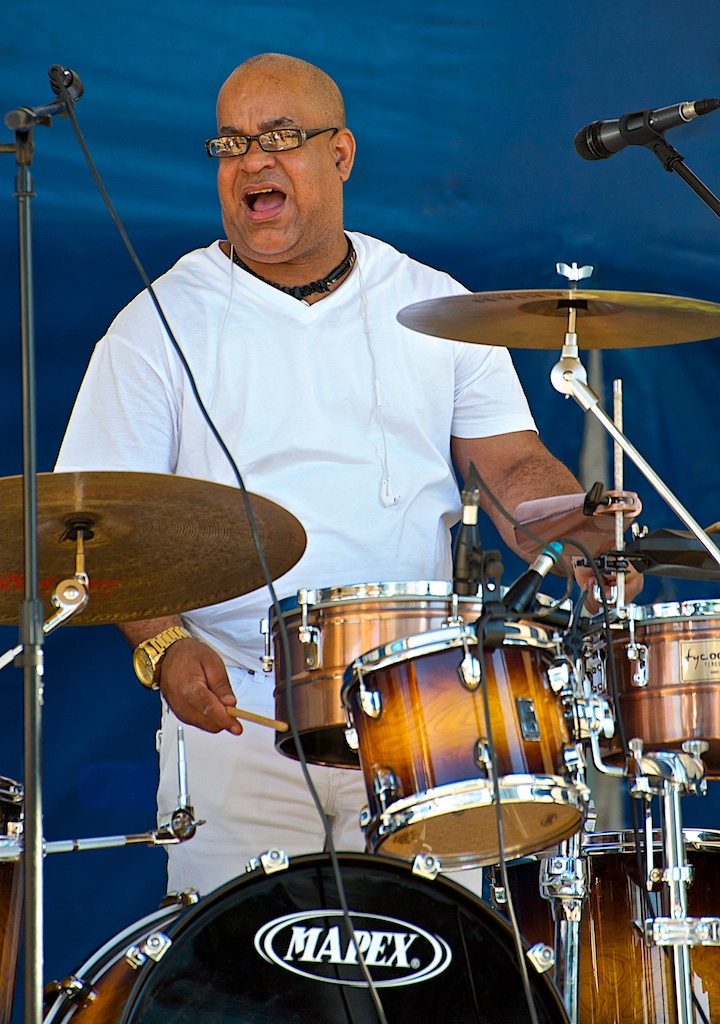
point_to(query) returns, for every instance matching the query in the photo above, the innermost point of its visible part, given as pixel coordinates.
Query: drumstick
(250, 716)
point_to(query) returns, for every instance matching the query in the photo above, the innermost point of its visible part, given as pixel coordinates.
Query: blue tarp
(465, 121)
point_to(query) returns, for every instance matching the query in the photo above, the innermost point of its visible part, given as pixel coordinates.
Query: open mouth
(265, 200)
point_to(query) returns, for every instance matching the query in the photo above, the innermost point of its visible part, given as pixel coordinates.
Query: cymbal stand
(69, 596)
(619, 485)
(670, 775)
(569, 377)
(22, 122)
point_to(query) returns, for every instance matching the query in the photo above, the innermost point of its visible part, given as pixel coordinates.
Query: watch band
(148, 654)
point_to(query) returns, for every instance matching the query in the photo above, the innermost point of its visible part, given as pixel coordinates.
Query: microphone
(23, 118)
(599, 140)
(467, 556)
(64, 76)
(521, 594)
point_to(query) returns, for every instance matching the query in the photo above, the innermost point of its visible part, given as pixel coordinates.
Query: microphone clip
(473, 567)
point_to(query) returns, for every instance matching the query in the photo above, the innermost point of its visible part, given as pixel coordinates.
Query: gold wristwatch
(148, 655)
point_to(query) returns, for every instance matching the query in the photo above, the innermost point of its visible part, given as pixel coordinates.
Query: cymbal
(160, 544)
(538, 319)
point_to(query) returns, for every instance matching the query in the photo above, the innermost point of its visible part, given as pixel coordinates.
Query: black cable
(495, 774)
(330, 845)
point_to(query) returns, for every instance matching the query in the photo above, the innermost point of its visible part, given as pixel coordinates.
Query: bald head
(296, 75)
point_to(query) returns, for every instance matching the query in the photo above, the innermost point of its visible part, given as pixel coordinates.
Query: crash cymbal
(538, 319)
(159, 545)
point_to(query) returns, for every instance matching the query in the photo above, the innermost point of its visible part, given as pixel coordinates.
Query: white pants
(253, 798)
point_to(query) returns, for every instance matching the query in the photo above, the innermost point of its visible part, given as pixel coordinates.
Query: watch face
(144, 668)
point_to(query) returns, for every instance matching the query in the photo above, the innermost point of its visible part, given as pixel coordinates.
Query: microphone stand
(672, 160)
(22, 122)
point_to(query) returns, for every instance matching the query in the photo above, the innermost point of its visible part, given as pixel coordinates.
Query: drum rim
(468, 795)
(681, 610)
(343, 594)
(406, 648)
(102, 957)
(326, 597)
(623, 840)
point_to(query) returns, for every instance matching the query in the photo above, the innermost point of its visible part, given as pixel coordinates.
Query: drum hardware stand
(569, 377)
(180, 826)
(564, 876)
(22, 122)
(670, 775)
(563, 881)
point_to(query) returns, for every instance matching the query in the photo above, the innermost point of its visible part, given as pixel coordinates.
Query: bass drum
(96, 992)
(272, 947)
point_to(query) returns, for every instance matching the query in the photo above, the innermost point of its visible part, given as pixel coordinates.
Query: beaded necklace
(299, 291)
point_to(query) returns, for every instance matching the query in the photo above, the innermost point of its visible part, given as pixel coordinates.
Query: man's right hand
(194, 682)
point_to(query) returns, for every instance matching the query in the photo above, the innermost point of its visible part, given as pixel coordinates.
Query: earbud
(386, 495)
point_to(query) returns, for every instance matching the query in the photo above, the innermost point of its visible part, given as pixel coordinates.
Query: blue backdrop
(465, 122)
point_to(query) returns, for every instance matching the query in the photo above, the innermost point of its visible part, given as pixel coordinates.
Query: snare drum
(667, 663)
(417, 706)
(11, 896)
(273, 947)
(622, 980)
(327, 630)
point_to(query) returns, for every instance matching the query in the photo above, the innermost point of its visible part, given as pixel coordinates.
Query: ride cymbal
(154, 544)
(538, 319)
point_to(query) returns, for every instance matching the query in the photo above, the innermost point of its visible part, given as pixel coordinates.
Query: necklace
(299, 291)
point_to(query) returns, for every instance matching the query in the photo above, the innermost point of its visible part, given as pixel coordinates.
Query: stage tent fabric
(465, 117)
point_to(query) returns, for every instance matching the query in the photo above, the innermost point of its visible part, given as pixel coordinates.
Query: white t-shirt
(292, 390)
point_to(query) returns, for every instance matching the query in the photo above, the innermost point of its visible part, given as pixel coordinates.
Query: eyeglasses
(276, 141)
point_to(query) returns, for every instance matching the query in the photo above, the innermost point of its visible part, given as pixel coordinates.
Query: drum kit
(472, 723)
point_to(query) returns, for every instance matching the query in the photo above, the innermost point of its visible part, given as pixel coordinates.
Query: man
(328, 406)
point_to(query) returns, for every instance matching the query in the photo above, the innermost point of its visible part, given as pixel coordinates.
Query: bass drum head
(273, 948)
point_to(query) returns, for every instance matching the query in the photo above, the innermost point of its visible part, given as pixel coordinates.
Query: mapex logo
(399, 953)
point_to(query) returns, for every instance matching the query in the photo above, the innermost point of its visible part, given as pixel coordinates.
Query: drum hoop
(409, 647)
(431, 803)
(522, 634)
(435, 591)
(329, 597)
(103, 957)
(624, 841)
(675, 610)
